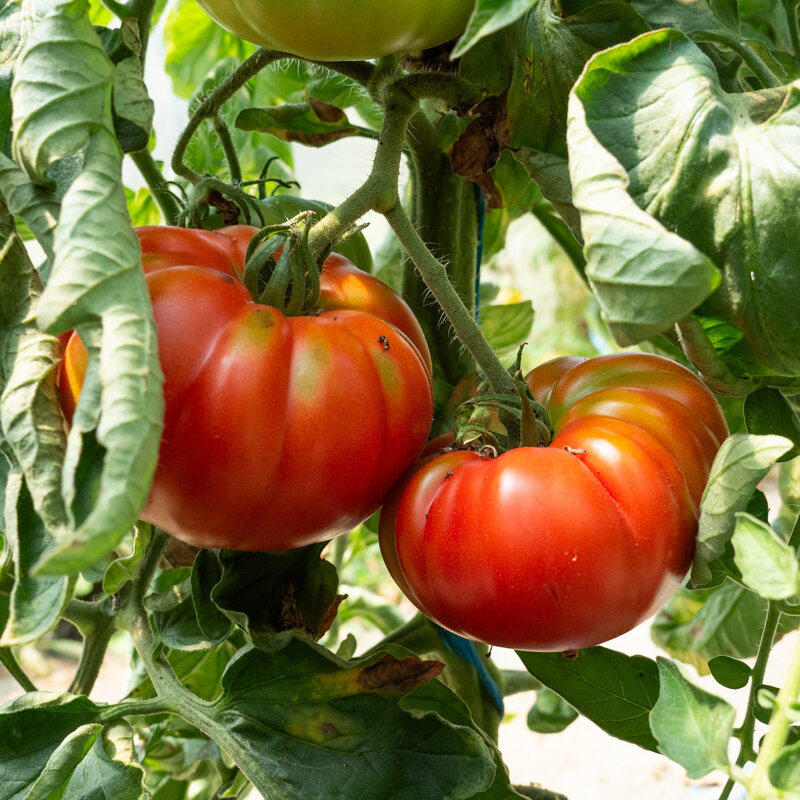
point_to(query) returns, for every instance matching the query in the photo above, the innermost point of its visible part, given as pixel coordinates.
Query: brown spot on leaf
(398, 674)
(326, 111)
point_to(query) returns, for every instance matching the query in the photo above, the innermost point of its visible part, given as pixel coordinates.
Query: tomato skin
(562, 547)
(338, 30)
(278, 431)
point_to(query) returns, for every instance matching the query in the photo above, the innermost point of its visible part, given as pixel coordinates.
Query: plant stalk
(96, 623)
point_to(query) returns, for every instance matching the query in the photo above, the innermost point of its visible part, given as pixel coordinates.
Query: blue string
(464, 648)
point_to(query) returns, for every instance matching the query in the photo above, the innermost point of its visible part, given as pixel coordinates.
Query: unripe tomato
(338, 30)
(278, 431)
(562, 547)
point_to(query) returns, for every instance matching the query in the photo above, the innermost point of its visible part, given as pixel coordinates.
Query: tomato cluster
(279, 431)
(562, 547)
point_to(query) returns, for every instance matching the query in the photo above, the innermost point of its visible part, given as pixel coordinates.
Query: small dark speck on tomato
(448, 475)
(384, 341)
(226, 278)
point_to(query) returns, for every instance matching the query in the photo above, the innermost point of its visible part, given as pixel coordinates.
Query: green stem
(15, 670)
(791, 7)
(165, 200)
(747, 731)
(210, 106)
(436, 279)
(748, 55)
(96, 623)
(760, 787)
(228, 148)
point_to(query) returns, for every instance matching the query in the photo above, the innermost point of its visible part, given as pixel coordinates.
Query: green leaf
(63, 762)
(32, 729)
(613, 690)
(677, 184)
(110, 768)
(269, 592)
(550, 713)
(784, 771)
(487, 17)
(312, 123)
(30, 417)
(729, 672)
(125, 568)
(195, 43)
(36, 602)
(288, 716)
(741, 463)
(768, 565)
(506, 326)
(692, 726)
(697, 625)
(768, 411)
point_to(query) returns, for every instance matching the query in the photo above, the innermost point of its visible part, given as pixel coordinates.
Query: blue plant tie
(466, 650)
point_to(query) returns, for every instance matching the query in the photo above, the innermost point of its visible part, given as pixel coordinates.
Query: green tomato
(279, 207)
(340, 30)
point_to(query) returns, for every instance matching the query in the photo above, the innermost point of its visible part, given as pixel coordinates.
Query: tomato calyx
(279, 269)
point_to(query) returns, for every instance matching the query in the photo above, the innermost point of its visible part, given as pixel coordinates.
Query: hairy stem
(164, 198)
(8, 660)
(211, 105)
(228, 148)
(750, 57)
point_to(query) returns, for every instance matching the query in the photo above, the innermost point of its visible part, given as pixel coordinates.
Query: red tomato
(278, 431)
(562, 547)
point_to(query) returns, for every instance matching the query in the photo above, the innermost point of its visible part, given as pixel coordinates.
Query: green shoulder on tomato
(342, 30)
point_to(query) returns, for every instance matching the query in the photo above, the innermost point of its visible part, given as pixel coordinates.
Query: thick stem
(760, 787)
(747, 731)
(165, 199)
(792, 7)
(96, 624)
(750, 57)
(436, 279)
(15, 670)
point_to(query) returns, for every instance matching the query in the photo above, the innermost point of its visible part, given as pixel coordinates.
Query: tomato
(279, 431)
(338, 30)
(562, 547)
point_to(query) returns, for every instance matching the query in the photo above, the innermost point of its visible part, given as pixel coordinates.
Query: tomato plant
(345, 29)
(617, 179)
(566, 546)
(259, 450)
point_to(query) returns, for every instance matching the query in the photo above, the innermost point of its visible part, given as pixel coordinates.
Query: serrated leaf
(487, 17)
(550, 713)
(768, 565)
(124, 569)
(697, 625)
(32, 729)
(767, 411)
(613, 690)
(742, 461)
(29, 413)
(54, 110)
(506, 326)
(692, 726)
(687, 176)
(295, 713)
(36, 602)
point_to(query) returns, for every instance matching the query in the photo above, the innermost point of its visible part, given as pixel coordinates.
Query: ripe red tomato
(279, 431)
(562, 547)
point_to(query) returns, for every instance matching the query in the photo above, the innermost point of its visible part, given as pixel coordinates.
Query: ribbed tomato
(279, 431)
(566, 546)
